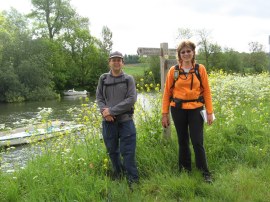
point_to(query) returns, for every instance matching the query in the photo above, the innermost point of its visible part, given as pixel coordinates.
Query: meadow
(135, 69)
(75, 167)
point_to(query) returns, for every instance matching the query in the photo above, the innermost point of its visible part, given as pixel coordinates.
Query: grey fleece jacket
(117, 93)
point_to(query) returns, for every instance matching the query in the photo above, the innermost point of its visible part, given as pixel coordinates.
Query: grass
(135, 69)
(237, 148)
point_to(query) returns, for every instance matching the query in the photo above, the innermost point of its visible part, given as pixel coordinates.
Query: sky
(147, 23)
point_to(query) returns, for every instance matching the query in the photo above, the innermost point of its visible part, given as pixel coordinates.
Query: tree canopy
(48, 51)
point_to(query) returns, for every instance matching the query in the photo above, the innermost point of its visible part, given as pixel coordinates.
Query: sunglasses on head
(187, 51)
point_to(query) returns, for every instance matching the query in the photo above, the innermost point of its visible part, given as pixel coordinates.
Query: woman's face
(186, 54)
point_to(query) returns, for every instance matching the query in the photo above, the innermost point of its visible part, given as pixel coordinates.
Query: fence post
(164, 55)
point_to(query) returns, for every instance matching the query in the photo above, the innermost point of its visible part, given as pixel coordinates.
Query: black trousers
(189, 125)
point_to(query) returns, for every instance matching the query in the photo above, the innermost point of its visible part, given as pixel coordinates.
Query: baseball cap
(116, 54)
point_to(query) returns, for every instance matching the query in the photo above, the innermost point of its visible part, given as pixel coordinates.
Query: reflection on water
(74, 97)
(13, 113)
(17, 157)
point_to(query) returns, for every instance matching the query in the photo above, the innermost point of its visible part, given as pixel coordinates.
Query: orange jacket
(182, 90)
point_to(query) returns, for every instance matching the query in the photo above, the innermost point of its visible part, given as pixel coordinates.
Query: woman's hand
(210, 119)
(165, 120)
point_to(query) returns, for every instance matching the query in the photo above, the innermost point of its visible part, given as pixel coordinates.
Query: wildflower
(85, 118)
(150, 73)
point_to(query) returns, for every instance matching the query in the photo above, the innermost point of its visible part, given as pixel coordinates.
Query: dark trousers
(189, 125)
(120, 138)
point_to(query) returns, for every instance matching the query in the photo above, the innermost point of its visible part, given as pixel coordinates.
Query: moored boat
(73, 92)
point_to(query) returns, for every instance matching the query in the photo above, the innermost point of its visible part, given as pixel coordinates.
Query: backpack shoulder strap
(197, 73)
(103, 78)
(175, 75)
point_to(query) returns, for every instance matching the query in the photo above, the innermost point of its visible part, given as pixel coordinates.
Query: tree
(184, 33)
(215, 56)
(10, 86)
(258, 60)
(14, 35)
(231, 61)
(52, 16)
(204, 45)
(106, 40)
(131, 59)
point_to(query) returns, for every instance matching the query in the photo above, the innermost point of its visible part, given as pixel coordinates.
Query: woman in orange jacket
(186, 92)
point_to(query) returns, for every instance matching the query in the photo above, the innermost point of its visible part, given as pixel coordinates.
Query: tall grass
(75, 167)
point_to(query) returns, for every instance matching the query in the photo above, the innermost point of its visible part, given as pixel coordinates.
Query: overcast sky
(147, 23)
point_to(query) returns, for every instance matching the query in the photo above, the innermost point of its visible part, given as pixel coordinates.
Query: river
(12, 115)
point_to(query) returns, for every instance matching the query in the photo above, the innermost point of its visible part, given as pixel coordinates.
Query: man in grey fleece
(116, 96)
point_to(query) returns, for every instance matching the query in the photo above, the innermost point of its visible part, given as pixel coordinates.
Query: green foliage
(154, 67)
(74, 59)
(52, 16)
(10, 86)
(75, 166)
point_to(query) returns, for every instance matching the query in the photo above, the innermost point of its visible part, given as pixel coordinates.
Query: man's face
(116, 63)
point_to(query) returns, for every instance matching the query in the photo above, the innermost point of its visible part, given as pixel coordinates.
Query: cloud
(147, 23)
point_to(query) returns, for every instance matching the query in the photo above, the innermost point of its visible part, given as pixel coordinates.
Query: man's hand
(109, 118)
(165, 120)
(106, 112)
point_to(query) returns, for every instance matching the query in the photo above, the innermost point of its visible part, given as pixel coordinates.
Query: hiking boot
(208, 178)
